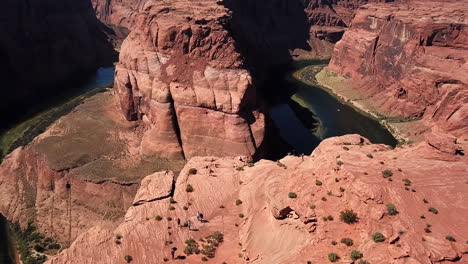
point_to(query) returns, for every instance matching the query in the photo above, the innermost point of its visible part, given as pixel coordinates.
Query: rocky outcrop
(180, 73)
(410, 60)
(83, 171)
(289, 211)
(45, 43)
(118, 12)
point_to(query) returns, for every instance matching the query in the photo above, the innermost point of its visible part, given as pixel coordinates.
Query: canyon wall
(289, 211)
(181, 74)
(118, 12)
(410, 60)
(45, 43)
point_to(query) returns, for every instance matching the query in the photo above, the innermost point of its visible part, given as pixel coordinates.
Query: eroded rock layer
(83, 171)
(289, 211)
(45, 43)
(180, 72)
(410, 60)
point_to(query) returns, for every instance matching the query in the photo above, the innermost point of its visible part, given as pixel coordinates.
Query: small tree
(355, 255)
(333, 257)
(378, 237)
(391, 209)
(347, 241)
(348, 216)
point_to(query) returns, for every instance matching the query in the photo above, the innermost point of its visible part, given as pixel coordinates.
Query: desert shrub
(172, 201)
(330, 218)
(185, 208)
(208, 250)
(128, 258)
(118, 242)
(425, 201)
(218, 236)
(325, 218)
(312, 206)
(54, 246)
(318, 183)
(171, 208)
(346, 148)
(221, 206)
(204, 259)
(407, 182)
(339, 163)
(333, 257)
(329, 193)
(189, 188)
(363, 262)
(165, 259)
(391, 209)
(370, 156)
(192, 171)
(378, 237)
(348, 216)
(241, 215)
(401, 232)
(450, 238)
(158, 218)
(191, 247)
(342, 189)
(292, 195)
(240, 169)
(324, 199)
(334, 243)
(433, 210)
(387, 173)
(169, 218)
(39, 248)
(355, 255)
(238, 202)
(347, 241)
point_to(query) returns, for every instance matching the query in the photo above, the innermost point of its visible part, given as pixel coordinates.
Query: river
(335, 117)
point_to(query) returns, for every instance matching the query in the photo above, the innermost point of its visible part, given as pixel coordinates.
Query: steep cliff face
(43, 44)
(410, 60)
(118, 12)
(180, 72)
(289, 212)
(83, 171)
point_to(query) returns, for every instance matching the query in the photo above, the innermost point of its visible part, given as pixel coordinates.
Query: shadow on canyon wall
(266, 32)
(47, 47)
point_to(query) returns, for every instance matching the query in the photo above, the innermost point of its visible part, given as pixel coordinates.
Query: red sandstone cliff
(274, 228)
(45, 43)
(410, 60)
(118, 12)
(179, 72)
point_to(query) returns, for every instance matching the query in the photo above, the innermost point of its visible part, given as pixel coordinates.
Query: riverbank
(26, 129)
(341, 89)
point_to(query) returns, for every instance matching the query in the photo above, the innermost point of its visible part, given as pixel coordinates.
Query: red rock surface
(180, 72)
(410, 60)
(279, 229)
(83, 171)
(44, 44)
(118, 12)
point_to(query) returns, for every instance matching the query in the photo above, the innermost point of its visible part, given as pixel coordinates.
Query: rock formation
(410, 60)
(289, 211)
(83, 171)
(44, 44)
(180, 72)
(118, 12)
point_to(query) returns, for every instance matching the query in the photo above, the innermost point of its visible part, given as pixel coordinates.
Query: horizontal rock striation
(44, 44)
(180, 72)
(118, 12)
(410, 60)
(269, 225)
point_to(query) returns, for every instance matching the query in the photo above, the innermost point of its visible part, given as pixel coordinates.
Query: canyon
(44, 45)
(110, 179)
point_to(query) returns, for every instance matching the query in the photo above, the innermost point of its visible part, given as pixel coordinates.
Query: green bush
(433, 210)
(347, 241)
(218, 236)
(378, 237)
(391, 209)
(348, 216)
(450, 238)
(189, 188)
(355, 255)
(292, 195)
(192, 171)
(387, 173)
(333, 257)
(208, 250)
(191, 247)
